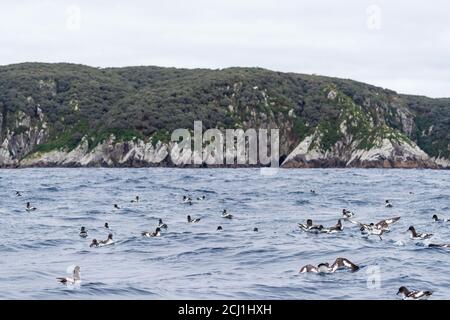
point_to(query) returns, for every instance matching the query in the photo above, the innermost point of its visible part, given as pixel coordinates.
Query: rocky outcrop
(110, 153)
(387, 154)
(64, 115)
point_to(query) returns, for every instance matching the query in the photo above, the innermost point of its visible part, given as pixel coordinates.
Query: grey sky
(401, 45)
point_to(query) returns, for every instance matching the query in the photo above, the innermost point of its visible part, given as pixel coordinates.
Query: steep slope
(74, 115)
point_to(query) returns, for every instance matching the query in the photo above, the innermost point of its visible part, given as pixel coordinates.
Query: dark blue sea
(194, 261)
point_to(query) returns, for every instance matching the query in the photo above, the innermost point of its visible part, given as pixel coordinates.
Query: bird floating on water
(30, 207)
(83, 232)
(156, 233)
(71, 280)
(226, 215)
(190, 220)
(387, 204)
(436, 219)
(347, 214)
(418, 236)
(337, 228)
(161, 224)
(339, 263)
(413, 295)
(433, 245)
(136, 199)
(108, 241)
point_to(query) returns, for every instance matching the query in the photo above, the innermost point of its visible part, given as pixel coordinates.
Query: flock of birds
(375, 229)
(371, 229)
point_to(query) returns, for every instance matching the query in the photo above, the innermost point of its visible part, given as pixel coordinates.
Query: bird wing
(343, 262)
(309, 268)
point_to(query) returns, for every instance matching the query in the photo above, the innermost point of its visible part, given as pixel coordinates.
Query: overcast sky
(401, 45)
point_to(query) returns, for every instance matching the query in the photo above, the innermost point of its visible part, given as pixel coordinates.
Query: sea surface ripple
(194, 261)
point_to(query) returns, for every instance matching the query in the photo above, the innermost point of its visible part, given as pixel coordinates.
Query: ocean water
(194, 261)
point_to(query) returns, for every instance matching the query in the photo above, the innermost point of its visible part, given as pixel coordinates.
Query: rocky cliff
(72, 115)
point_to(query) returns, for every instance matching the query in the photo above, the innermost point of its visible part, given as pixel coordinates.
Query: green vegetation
(77, 101)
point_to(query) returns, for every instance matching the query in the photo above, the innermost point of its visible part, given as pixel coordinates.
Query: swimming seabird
(156, 233)
(201, 198)
(106, 225)
(219, 228)
(387, 204)
(338, 227)
(187, 200)
(18, 194)
(29, 207)
(226, 215)
(433, 245)
(71, 280)
(255, 229)
(339, 263)
(309, 227)
(419, 236)
(116, 206)
(413, 295)
(161, 224)
(436, 219)
(83, 232)
(107, 241)
(190, 220)
(135, 199)
(102, 243)
(347, 214)
(94, 243)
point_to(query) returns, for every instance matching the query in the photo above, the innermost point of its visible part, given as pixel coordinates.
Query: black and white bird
(375, 228)
(187, 200)
(190, 220)
(347, 214)
(76, 278)
(387, 204)
(413, 295)
(372, 231)
(156, 233)
(83, 232)
(433, 245)
(94, 243)
(162, 225)
(116, 206)
(201, 198)
(310, 227)
(385, 224)
(30, 207)
(108, 241)
(337, 228)
(106, 225)
(135, 200)
(226, 215)
(437, 219)
(418, 236)
(339, 263)
(18, 194)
